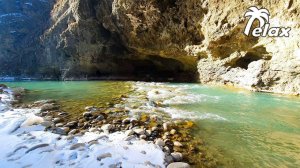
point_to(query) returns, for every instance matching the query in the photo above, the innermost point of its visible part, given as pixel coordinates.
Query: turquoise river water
(240, 128)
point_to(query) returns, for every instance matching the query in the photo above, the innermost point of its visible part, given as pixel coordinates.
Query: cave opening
(157, 68)
(243, 62)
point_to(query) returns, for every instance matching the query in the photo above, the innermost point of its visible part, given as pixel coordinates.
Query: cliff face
(22, 22)
(173, 39)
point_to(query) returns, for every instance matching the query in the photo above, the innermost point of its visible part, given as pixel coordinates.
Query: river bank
(100, 136)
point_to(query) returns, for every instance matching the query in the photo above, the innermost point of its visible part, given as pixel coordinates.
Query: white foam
(24, 144)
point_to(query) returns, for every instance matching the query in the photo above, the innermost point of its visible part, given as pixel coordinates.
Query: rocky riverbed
(130, 126)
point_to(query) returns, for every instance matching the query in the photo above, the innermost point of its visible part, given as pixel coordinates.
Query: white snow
(24, 143)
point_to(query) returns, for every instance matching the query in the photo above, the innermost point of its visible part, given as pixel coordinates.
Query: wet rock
(173, 131)
(178, 165)
(48, 107)
(126, 121)
(169, 159)
(160, 142)
(165, 126)
(72, 132)
(106, 127)
(103, 156)
(62, 131)
(57, 120)
(87, 114)
(143, 136)
(71, 124)
(100, 118)
(36, 147)
(129, 132)
(46, 124)
(77, 145)
(59, 125)
(139, 131)
(129, 138)
(176, 156)
(177, 144)
(62, 114)
(93, 129)
(154, 128)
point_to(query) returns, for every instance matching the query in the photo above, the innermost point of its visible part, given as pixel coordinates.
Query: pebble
(139, 131)
(129, 138)
(173, 131)
(47, 107)
(177, 144)
(103, 156)
(72, 132)
(106, 127)
(126, 121)
(143, 136)
(100, 117)
(71, 124)
(87, 114)
(176, 156)
(165, 126)
(77, 145)
(57, 120)
(178, 165)
(160, 142)
(129, 132)
(59, 125)
(154, 128)
(46, 124)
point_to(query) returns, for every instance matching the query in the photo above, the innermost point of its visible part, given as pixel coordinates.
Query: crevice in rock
(243, 62)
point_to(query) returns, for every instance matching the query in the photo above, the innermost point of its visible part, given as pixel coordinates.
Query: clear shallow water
(74, 96)
(240, 128)
(246, 129)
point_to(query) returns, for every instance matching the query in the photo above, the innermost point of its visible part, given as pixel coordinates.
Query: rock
(87, 114)
(154, 128)
(177, 144)
(173, 131)
(178, 165)
(59, 125)
(143, 152)
(160, 142)
(176, 156)
(143, 136)
(139, 131)
(129, 132)
(165, 126)
(106, 128)
(100, 118)
(71, 124)
(103, 156)
(126, 121)
(61, 131)
(129, 138)
(48, 107)
(57, 120)
(62, 114)
(77, 145)
(169, 159)
(36, 147)
(93, 130)
(46, 124)
(148, 132)
(72, 132)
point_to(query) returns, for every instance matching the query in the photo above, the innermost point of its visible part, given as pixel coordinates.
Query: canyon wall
(192, 40)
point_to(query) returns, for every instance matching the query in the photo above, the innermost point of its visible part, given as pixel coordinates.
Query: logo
(264, 29)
